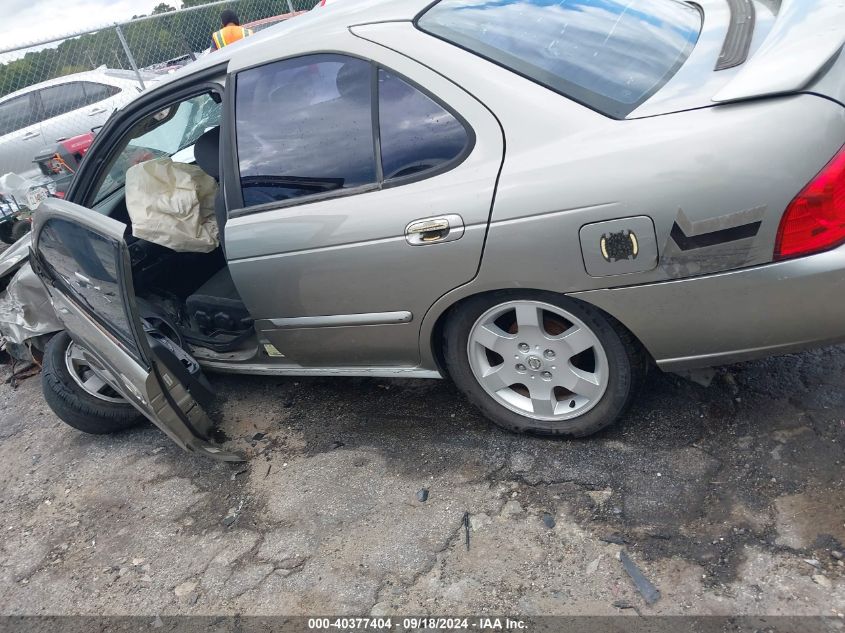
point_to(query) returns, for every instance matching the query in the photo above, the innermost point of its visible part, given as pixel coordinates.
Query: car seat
(207, 157)
(216, 306)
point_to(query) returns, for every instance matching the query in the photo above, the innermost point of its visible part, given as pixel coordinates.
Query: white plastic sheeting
(172, 204)
(15, 185)
(25, 309)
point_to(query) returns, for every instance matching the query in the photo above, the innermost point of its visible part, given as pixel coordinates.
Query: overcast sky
(33, 20)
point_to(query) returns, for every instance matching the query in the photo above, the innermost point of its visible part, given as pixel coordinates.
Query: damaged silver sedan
(455, 189)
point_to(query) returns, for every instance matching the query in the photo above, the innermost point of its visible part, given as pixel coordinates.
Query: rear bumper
(734, 316)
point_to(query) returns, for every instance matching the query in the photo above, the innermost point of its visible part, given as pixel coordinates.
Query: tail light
(815, 220)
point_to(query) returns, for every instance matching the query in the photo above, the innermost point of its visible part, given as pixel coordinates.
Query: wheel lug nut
(547, 375)
(520, 367)
(549, 354)
(523, 347)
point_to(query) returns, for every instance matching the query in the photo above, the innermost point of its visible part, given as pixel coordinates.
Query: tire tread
(75, 407)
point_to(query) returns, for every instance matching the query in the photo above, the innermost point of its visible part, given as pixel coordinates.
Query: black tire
(19, 229)
(6, 232)
(75, 406)
(627, 363)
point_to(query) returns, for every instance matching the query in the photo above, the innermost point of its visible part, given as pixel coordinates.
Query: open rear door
(83, 260)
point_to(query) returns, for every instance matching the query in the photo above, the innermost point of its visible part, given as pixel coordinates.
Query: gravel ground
(729, 498)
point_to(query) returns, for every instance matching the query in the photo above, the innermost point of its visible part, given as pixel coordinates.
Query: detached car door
(82, 258)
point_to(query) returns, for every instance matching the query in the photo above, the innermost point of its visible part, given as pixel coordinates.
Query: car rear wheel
(78, 395)
(542, 363)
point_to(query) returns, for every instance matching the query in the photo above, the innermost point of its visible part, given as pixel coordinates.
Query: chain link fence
(54, 92)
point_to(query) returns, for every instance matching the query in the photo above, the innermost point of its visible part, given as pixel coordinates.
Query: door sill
(266, 369)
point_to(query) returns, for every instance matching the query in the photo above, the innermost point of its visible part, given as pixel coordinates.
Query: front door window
(86, 265)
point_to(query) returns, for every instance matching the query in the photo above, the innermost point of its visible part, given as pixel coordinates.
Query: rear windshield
(610, 55)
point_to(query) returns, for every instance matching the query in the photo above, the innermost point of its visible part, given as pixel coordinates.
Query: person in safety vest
(231, 32)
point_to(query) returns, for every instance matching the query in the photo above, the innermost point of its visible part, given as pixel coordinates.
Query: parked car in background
(39, 116)
(260, 25)
(172, 65)
(536, 200)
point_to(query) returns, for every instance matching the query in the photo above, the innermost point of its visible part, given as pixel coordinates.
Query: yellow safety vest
(229, 34)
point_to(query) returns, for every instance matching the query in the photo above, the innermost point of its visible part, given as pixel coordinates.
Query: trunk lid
(753, 48)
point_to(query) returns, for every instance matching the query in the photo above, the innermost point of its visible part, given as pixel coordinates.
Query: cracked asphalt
(730, 499)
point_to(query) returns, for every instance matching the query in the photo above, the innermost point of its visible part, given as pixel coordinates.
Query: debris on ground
(466, 528)
(422, 495)
(615, 539)
(836, 554)
(258, 437)
(232, 515)
(548, 520)
(18, 374)
(648, 591)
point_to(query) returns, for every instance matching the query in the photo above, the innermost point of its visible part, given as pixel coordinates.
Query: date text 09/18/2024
(417, 623)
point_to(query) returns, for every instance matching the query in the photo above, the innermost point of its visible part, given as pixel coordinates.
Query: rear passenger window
(95, 92)
(417, 134)
(304, 126)
(62, 98)
(16, 114)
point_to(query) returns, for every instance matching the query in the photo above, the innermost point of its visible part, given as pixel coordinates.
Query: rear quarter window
(609, 55)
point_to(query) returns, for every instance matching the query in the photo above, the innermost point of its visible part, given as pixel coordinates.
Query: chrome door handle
(97, 111)
(435, 230)
(30, 135)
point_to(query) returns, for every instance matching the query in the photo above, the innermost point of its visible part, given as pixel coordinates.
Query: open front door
(83, 260)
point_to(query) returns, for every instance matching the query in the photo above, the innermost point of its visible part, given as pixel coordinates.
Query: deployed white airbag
(172, 204)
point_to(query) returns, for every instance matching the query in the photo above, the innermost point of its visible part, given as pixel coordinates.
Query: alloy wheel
(538, 360)
(90, 381)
